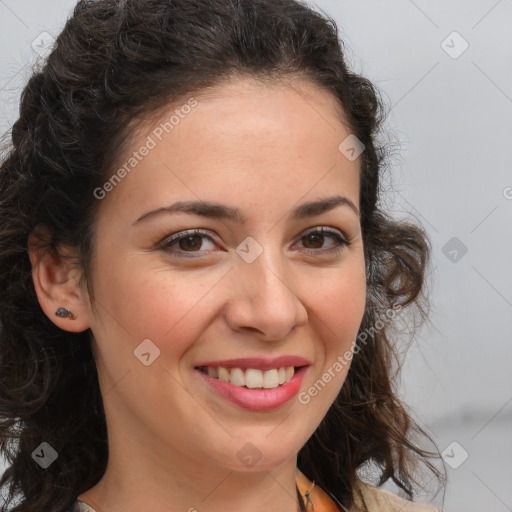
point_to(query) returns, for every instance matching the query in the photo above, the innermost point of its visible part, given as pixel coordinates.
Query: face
(186, 288)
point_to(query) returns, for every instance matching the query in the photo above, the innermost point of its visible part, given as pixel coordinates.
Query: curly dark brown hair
(116, 62)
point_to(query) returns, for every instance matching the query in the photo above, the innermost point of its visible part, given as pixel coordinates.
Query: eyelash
(342, 242)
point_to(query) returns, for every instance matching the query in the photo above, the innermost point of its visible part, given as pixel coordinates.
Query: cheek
(150, 301)
(343, 302)
(340, 309)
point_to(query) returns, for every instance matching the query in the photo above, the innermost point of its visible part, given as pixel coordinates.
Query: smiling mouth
(252, 378)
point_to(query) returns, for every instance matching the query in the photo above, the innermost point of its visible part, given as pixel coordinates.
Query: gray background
(451, 125)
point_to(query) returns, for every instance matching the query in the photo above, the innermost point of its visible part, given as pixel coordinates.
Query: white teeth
(252, 377)
(223, 374)
(237, 377)
(270, 379)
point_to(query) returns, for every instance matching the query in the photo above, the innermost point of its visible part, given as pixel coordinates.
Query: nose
(264, 300)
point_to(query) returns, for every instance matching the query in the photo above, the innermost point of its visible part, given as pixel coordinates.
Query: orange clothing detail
(368, 498)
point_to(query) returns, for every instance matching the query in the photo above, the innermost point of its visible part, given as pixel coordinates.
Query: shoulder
(381, 500)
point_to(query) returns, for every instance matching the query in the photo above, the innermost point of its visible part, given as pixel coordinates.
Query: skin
(173, 441)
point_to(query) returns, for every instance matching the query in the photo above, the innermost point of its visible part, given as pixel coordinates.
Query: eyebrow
(220, 211)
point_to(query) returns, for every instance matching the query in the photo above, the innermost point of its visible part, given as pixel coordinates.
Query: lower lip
(257, 399)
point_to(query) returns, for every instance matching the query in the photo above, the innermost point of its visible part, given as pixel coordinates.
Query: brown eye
(315, 239)
(188, 243)
(191, 242)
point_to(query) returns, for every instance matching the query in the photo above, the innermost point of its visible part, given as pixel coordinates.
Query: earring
(65, 313)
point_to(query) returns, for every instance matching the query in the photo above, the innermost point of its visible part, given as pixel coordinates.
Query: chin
(254, 456)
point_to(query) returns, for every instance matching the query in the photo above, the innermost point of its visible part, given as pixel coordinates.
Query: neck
(142, 478)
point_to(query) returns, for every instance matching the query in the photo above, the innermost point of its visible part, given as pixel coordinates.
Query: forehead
(293, 104)
(244, 140)
(289, 97)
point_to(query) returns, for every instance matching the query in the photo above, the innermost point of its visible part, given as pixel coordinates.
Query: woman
(198, 287)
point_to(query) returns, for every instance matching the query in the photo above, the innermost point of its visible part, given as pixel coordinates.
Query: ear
(56, 282)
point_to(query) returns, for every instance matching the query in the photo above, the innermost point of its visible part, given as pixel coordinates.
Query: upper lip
(259, 363)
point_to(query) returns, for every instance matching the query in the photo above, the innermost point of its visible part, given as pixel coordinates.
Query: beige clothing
(381, 500)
